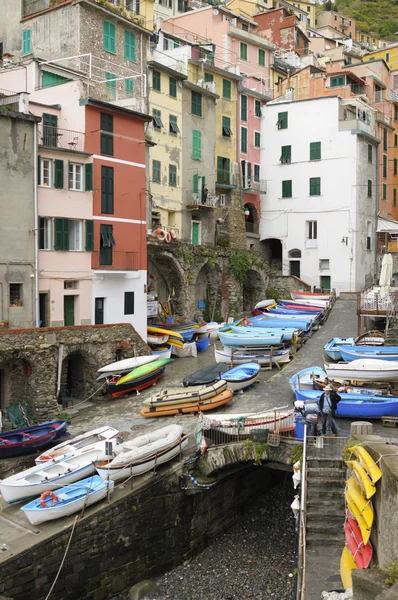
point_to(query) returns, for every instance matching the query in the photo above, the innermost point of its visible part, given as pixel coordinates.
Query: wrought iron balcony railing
(54, 137)
(115, 260)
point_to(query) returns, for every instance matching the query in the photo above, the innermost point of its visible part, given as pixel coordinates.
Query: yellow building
(305, 11)
(367, 38)
(143, 9)
(389, 55)
(165, 132)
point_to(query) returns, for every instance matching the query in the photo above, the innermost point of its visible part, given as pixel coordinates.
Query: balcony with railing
(253, 228)
(252, 186)
(60, 139)
(248, 36)
(17, 101)
(115, 260)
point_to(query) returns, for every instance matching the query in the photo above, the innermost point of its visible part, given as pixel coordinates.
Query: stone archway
(253, 290)
(252, 219)
(271, 251)
(207, 293)
(166, 279)
(14, 382)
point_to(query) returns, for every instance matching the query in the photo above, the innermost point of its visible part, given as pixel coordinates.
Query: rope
(63, 558)
(93, 394)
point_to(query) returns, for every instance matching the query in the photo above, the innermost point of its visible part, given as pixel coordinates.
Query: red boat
(136, 385)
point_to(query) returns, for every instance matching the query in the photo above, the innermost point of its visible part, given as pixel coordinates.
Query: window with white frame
(324, 264)
(45, 172)
(75, 177)
(75, 235)
(45, 233)
(312, 230)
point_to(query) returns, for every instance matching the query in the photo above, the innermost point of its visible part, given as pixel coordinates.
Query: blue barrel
(299, 427)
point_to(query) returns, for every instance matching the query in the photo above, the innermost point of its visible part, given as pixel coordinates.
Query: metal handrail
(303, 523)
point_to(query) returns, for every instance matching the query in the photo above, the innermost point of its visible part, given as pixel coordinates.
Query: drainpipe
(377, 206)
(35, 229)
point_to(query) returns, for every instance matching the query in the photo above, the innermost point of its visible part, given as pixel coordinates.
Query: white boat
(162, 352)
(68, 500)
(182, 395)
(241, 357)
(265, 303)
(296, 295)
(128, 364)
(143, 453)
(275, 419)
(79, 443)
(366, 369)
(51, 475)
(210, 331)
(157, 340)
(308, 302)
(242, 376)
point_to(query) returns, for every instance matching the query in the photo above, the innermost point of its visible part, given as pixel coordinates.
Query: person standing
(327, 405)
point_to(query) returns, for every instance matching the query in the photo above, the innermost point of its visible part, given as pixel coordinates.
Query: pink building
(238, 46)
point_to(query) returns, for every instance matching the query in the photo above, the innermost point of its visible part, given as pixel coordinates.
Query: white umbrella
(386, 273)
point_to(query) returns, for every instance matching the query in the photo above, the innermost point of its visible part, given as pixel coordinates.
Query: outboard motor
(310, 412)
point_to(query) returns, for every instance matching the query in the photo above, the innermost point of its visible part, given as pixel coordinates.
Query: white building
(318, 216)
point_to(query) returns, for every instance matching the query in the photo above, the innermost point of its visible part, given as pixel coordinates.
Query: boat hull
(333, 347)
(186, 394)
(137, 385)
(377, 352)
(262, 358)
(189, 407)
(238, 339)
(363, 370)
(21, 442)
(80, 442)
(243, 424)
(373, 408)
(299, 295)
(127, 364)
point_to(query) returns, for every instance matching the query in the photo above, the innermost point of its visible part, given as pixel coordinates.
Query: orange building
(115, 136)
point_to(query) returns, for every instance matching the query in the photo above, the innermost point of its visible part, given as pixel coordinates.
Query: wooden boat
(242, 376)
(332, 348)
(182, 395)
(157, 339)
(347, 564)
(371, 338)
(205, 375)
(361, 552)
(364, 506)
(367, 462)
(137, 385)
(162, 351)
(127, 364)
(144, 370)
(243, 424)
(374, 407)
(250, 339)
(362, 478)
(80, 442)
(188, 407)
(150, 450)
(350, 353)
(304, 379)
(262, 357)
(51, 475)
(27, 440)
(295, 295)
(68, 500)
(164, 331)
(365, 530)
(369, 369)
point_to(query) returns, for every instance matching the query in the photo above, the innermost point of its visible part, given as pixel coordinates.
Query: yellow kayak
(347, 564)
(169, 332)
(175, 343)
(365, 530)
(362, 478)
(367, 462)
(364, 506)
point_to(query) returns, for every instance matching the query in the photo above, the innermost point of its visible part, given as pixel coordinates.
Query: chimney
(289, 95)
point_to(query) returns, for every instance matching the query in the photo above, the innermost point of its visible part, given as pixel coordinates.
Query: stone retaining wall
(285, 283)
(139, 536)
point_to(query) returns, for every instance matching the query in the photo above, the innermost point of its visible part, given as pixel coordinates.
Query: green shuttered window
(61, 234)
(26, 42)
(156, 81)
(315, 186)
(172, 175)
(196, 144)
(109, 37)
(128, 303)
(88, 177)
(196, 104)
(315, 151)
(286, 154)
(243, 140)
(243, 108)
(107, 190)
(156, 171)
(257, 139)
(287, 189)
(226, 89)
(282, 120)
(172, 87)
(257, 108)
(129, 46)
(89, 235)
(59, 174)
(243, 51)
(261, 57)
(226, 127)
(106, 134)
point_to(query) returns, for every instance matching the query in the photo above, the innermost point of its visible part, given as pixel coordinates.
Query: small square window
(16, 295)
(324, 264)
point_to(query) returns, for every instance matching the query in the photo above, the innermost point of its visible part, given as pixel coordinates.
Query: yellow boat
(162, 331)
(175, 343)
(367, 462)
(365, 530)
(347, 564)
(362, 478)
(364, 506)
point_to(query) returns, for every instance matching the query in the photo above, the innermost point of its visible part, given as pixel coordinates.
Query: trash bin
(299, 421)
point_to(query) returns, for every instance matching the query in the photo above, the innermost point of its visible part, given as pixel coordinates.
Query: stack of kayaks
(122, 367)
(138, 379)
(361, 486)
(161, 339)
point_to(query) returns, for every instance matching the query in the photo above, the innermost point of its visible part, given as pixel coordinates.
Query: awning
(386, 225)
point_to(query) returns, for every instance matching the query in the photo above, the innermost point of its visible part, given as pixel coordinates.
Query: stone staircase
(325, 501)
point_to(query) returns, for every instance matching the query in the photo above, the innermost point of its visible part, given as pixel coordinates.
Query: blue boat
(249, 339)
(241, 376)
(280, 310)
(333, 347)
(291, 318)
(30, 439)
(68, 500)
(287, 335)
(371, 408)
(304, 378)
(279, 323)
(378, 352)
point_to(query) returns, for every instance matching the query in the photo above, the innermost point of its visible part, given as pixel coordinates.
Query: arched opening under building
(207, 293)
(251, 220)
(294, 262)
(253, 290)
(165, 283)
(14, 383)
(73, 377)
(271, 251)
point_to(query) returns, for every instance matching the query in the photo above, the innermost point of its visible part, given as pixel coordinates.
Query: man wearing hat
(327, 405)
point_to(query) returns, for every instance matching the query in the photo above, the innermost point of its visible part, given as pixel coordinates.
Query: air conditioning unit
(234, 22)
(210, 85)
(222, 199)
(199, 82)
(248, 183)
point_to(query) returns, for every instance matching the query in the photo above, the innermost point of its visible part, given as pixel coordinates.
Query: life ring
(173, 234)
(44, 496)
(168, 237)
(245, 321)
(161, 236)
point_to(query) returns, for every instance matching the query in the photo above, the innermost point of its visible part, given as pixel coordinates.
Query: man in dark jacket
(327, 405)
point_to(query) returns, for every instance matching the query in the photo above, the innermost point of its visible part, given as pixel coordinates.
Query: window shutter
(219, 169)
(89, 235)
(58, 234)
(59, 174)
(89, 177)
(38, 170)
(65, 234)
